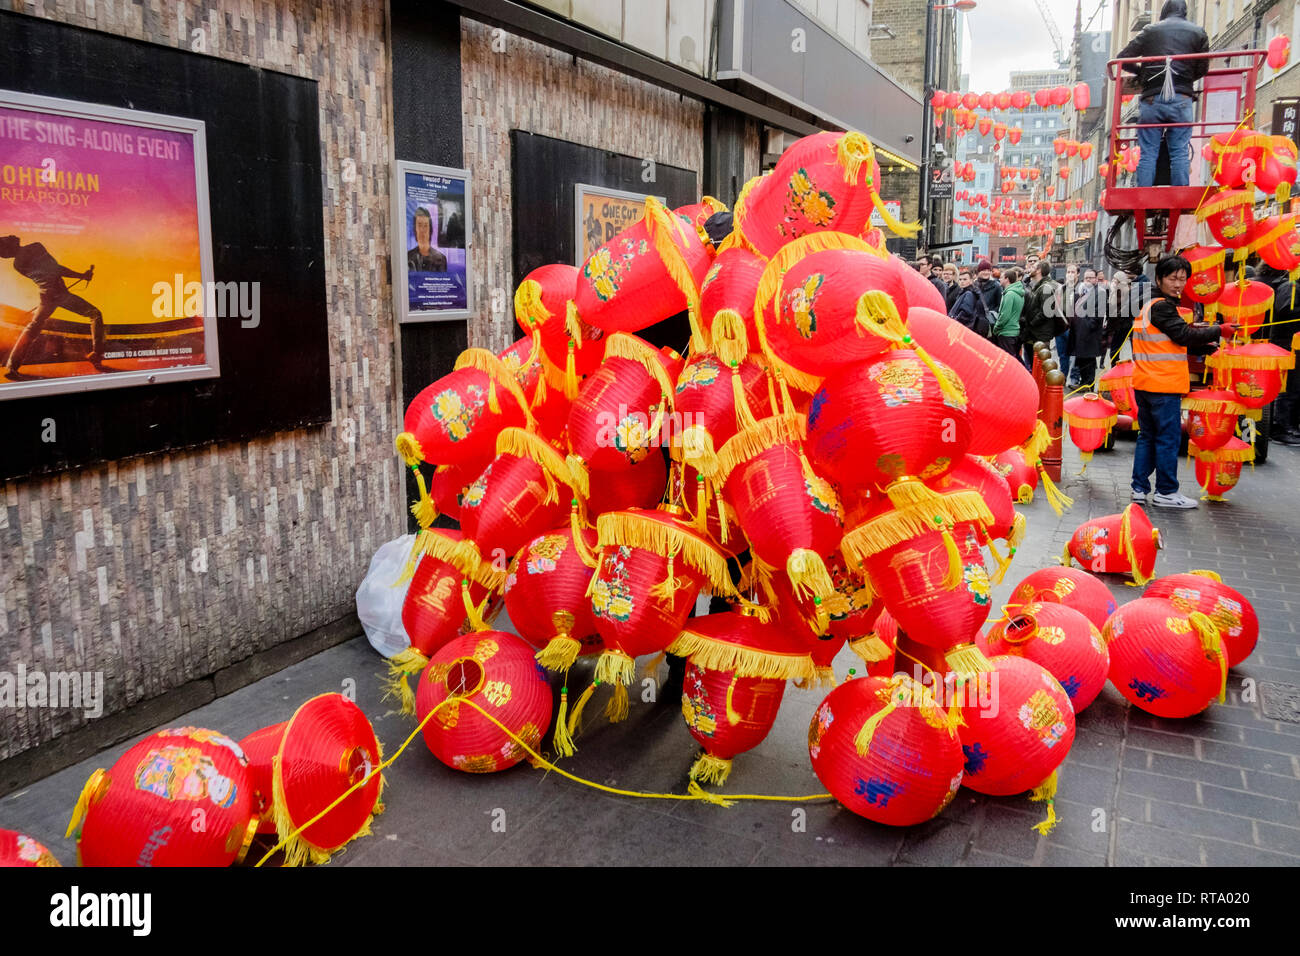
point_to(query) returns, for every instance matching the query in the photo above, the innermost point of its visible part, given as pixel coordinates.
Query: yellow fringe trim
(717, 655)
(1025, 495)
(524, 444)
(1212, 575)
(1212, 643)
(462, 555)
(616, 668)
(97, 780)
(1226, 454)
(710, 769)
(1226, 199)
(1046, 791)
(497, 373)
(625, 346)
(744, 414)
(402, 666)
(579, 479)
(893, 527)
(737, 239)
(297, 851)
(871, 649)
(638, 531)
(408, 446)
(752, 442)
(1079, 421)
(529, 310)
(1038, 443)
(769, 286)
(576, 527)
(1208, 262)
(1127, 550)
(559, 653)
(575, 715)
(730, 337)
(423, 509)
(695, 790)
(1211, 406)
(660, 223)
(1266, 363)
(967, 660)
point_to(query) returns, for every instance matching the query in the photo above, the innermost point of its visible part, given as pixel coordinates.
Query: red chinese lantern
(1071, 147)
(1020, 99)
(1246, 304)
(1072, 587)
(1061, 95)
(304, 765)
(1063, 172)
(1057, 638)
(999, 131)
(1007, 187)
(456, 420)
(1230, 214)
(1103, 170)
(447, 488)
(1050, 190)
(970, 100)
(734, 683)
(1034, 173)
(952, 100)
(1124, 543)
(1043, 97)
(727, 303)
(652, 565)
(790, 514)
(712, 402)
(549, 405)
(1117, 382)
(1014, 134)
(986, 101)
(853, 609)
(1082, 97)
(857, 741)
(496, 672)
(890, 425)
(620, 411)
(649, 271)
(1059, 146)
(1211, 417)
(1091, 418)
(1279, 51)
(985, 370)
(1163, 661)
(1218, 471)
(546, 595)
(1277, 168)
(1254, 373)
(640, 486)
(1205, 591)
(141, 811)
(18, 849)
(540, 306)
(986, 125)
(1019, 726)
(524, 491)
(814, 311)
(1278, 244)
(976, 474)
(1020, 478)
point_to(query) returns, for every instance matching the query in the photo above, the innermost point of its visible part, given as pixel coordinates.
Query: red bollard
(1052, 414)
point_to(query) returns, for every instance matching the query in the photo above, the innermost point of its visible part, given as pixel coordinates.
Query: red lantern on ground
(18, 849)
(1060, 640)
(1246, 304)
(546, 596)
(1279, 51)
(1020, 478)
(1090, 418)
(1205, 591)
(141, 811)
(1124, 543)
(1254, 373)
(1218, 471)
(1069, 586)
(304, 765)
(1082, 96)
(496, 672)
(1163, 661)
(1230, 214)
(1211, 417)
(854, 742)
(1019, 726)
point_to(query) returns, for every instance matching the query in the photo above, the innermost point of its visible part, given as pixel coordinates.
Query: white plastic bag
(379, 603)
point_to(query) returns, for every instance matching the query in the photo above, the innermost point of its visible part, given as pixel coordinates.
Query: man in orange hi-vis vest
(1161, 339)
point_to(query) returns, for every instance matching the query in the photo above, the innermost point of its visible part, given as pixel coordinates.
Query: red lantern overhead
(1279, 51)
(1002, 100)
(1230, 214)
(970, 100)
(1278, 243)
(1043, 97)
(1082, 96)
(986, 101)
(1163, 661)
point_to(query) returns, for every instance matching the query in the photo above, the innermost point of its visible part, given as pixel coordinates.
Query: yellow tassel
(1046, 791)
(473, 613)
(701, 505)
(638, 531)
(650, 669)
(908, 521)
(1017, 535)
(1038, 442)
(665, 592)
(695, 790)
(1059, 501)
(871, 649)
(733, 717)
(730, 337)
(595, 574)
(523, 444)
(88, 793)
(563, 742)
(616, 710)
(952, 580)
(424, 510)
(1085, 457)
(529, 310)
(1212, 644)
(575, 715)
(560, 652)
(967, 661)
(1126, 548)
(752, 442)
(716, 655)
(878, 315)
(579, 540)
(697, 450)
(401, 667)
(615, 667)
(710, 769)
(1212, 575)
(571, 373)
(408, 446)
(660, 224)
(808, 574)
(911, 492)
(1025, 495)
(1065, 556)
(744, 414)
(579, 479)
(862, 740)
(1002, 563)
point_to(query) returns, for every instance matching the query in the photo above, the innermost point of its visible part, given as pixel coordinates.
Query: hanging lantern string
(539, 761)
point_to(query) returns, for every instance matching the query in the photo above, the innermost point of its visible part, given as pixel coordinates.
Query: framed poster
(106, 249)
(600, 214)
(432, 223)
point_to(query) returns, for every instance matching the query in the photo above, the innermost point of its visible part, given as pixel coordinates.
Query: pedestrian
(1286, 323)
(950, 281)
(965, 306)
(1041, 316)
(1119, 315)
(989, 291)
(1168, 90)
(933, 266)
(1086, 330)
(1031, 266)
(1006, 333)
(1161, 340)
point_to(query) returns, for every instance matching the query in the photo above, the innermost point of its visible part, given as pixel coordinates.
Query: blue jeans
(1160, 426)
(1181, 110)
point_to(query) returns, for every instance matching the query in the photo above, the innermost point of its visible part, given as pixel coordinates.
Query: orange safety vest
(1159, 364)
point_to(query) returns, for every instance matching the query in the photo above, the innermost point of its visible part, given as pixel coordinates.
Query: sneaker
(1141, 496)
(1288, 437)
(1175, 500)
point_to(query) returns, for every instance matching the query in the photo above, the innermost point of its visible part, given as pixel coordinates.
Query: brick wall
(536, 88)
(99, 568)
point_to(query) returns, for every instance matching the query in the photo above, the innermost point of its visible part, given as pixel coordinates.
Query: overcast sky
(1008, 35)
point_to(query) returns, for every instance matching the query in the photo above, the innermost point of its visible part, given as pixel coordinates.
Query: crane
(1062, 54)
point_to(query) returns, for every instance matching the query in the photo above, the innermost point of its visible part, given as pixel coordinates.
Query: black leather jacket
(1172, 36)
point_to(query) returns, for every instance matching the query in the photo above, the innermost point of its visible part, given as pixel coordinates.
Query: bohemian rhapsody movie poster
(100, 249)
